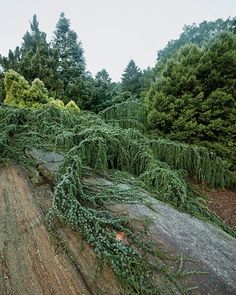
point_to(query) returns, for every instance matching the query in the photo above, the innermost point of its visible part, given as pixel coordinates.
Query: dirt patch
(223, 203)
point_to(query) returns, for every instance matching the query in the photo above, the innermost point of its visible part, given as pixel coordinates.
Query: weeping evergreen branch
(197, 161)
(129, 114)
(88, 141)
(98, 226)
(128, 123)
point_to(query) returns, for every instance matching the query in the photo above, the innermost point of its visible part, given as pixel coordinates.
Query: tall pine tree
(34, 59)
(103, 91)
(38, 59)
(131, 79)
(71, 68)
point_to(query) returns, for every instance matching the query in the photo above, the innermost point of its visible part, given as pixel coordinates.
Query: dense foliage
(71, 64)
(104, 91)
(131, 79)
(87, 141)
(60, 65)
(21, 94)
(34, 59)
(197, 34)
(193, 98)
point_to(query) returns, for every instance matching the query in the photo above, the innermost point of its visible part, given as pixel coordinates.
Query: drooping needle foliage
(87, 141)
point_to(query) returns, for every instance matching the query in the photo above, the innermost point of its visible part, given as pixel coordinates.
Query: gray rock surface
(214, 250)
(51, 160)
(212, 247)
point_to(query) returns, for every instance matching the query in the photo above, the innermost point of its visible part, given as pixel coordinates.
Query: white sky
(111, 31)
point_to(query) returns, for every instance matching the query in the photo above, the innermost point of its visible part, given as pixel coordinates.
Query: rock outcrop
(31, 262)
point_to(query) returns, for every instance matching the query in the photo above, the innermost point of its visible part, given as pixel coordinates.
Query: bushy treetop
(194, 93)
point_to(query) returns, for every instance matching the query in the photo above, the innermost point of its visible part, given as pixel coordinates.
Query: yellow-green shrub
(16, 88)
(21, 94)
(72, 106)
(56, 102)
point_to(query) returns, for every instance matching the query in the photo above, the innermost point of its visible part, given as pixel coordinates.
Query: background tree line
(61, 66)
(189, 95)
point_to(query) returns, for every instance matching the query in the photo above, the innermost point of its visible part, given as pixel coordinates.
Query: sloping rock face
(30, 262)
(212, 249)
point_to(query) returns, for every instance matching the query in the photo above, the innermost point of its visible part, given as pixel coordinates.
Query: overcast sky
(111, 31)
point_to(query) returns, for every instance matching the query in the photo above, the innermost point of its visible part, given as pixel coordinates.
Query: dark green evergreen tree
(34, 59)
(104, 91)
(12, 60)
(197, 34)
(2, 89)
(131, 79)
(75, 80)
(194, 98)
(146, 79)
(38, 59)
